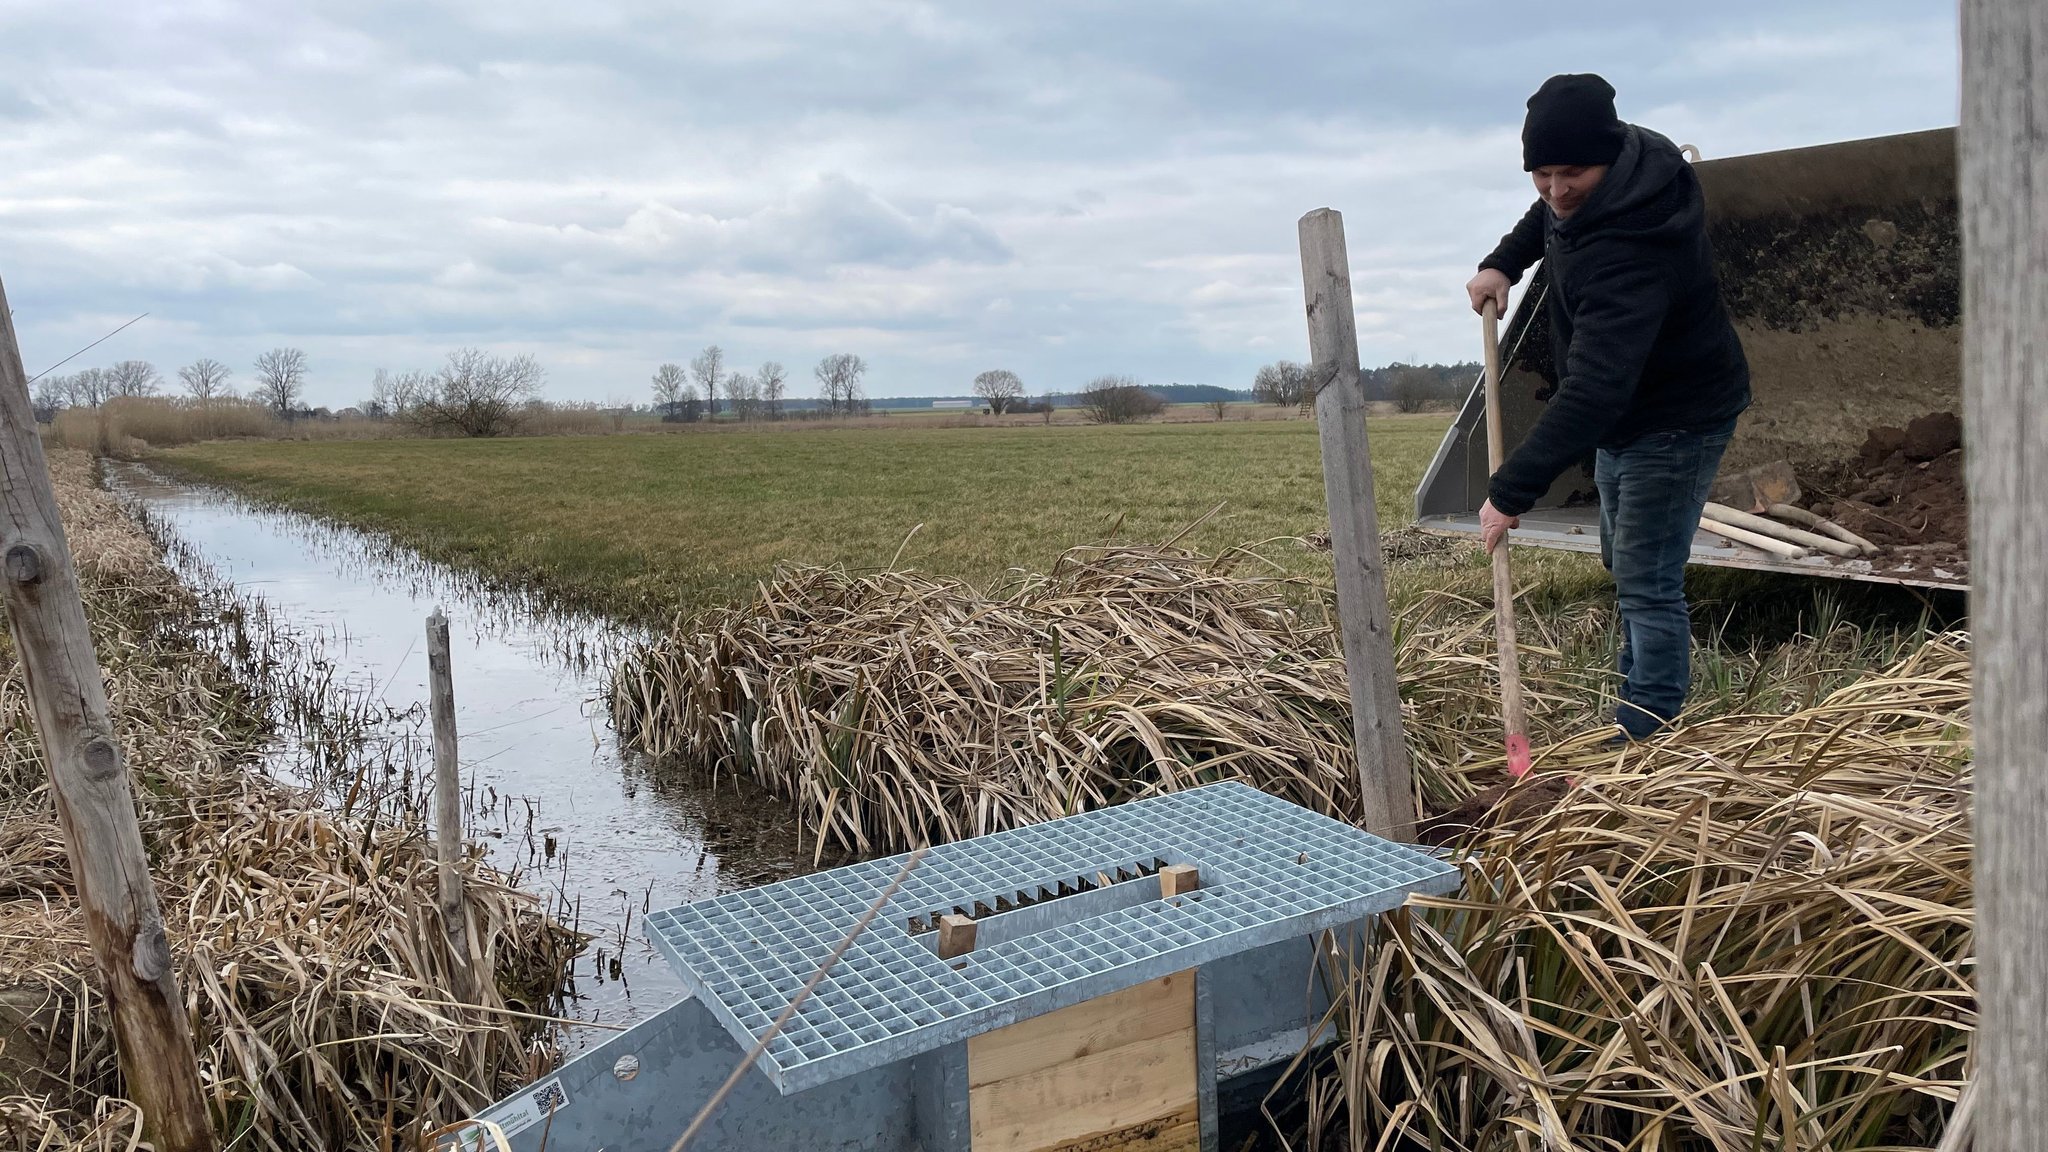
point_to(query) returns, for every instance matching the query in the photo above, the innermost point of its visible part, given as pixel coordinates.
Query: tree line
(280, 379)
(686, 395)
(474, 393)
(1410, 387)
(480, 393)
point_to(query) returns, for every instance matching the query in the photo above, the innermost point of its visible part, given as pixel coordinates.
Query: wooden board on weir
(1116, 1072)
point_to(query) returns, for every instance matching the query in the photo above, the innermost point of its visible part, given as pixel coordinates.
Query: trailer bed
(1840, 268)
(1577, 529)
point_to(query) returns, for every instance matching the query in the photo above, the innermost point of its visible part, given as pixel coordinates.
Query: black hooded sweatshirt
(1641, 338)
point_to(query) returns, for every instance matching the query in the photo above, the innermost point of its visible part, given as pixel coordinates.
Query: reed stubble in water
(307, 943)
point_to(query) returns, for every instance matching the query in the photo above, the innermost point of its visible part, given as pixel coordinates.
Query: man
(1650, 374)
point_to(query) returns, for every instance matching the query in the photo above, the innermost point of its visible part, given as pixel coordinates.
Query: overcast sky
(1063, 189)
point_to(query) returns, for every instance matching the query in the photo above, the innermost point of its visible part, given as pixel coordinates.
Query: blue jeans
(1651, 493)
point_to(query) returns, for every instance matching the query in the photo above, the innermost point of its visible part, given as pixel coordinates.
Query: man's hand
(1493, 526)
(1490, 284)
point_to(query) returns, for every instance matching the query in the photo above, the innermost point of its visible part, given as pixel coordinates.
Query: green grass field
(645, 526)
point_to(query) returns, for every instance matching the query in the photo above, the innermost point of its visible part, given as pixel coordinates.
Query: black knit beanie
(1571, 121)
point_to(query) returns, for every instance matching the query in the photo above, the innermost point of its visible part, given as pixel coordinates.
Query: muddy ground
(1904, 491)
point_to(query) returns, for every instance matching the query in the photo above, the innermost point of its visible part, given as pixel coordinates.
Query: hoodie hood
(1649, 194)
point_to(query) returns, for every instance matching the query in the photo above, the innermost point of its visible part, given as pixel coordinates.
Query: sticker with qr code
(533, 1108)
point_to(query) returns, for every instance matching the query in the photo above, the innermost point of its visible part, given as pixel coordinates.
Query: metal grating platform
(1270, 871)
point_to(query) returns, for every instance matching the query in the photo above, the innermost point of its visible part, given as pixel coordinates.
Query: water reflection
(606, 836)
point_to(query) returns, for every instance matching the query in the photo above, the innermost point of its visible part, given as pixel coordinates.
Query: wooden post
(2004, 201)
(89, 782)
(1383, 783)
(448, 805)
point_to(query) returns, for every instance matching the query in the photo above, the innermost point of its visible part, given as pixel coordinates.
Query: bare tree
(1000, 387)
(1220, 406)
(392, 396)
(205, 378)
(745, 395)
(52, 395)
(87, 387)
(133, 378)
(476, 393)
(617, 408)
(669, 382)
(709, 370)
(1118, 400)
(774, 378)
(280, 379)
(839, 382)
(1045, 406)
(1283, 382)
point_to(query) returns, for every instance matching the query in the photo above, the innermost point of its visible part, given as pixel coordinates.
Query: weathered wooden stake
(89, 783)
(448, 805)
(2004, 200)
(1383, 782)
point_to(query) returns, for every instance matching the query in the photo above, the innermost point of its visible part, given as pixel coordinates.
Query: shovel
(1512, 715)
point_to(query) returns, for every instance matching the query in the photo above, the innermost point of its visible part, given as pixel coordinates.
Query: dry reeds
(898, 709)
(308, 944)
(1754, 934)
(160, 421)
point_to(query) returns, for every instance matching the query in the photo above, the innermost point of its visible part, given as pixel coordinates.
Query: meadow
(645, 527)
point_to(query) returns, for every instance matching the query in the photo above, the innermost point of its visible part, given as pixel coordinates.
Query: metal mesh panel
(1270, 870)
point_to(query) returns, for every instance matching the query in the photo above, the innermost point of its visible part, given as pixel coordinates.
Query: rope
(795, 1002)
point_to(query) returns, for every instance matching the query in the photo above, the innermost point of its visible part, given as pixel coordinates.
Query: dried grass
(1755, 934)
(898, 709)
(308, 944)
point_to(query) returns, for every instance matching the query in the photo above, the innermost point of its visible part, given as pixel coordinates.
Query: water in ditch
(548, 791)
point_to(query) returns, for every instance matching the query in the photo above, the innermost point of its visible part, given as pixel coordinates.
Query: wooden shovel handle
(1513, 715)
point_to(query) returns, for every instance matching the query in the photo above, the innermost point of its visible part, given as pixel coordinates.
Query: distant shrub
(1117, 400)
(476, 393)
(1415, 388)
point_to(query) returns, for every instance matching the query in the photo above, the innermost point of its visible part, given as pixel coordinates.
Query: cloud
(1061, 188)
(830, 220)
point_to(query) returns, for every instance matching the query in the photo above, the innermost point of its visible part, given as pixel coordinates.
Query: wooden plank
(89, 782)
(1178, 1132)
(1147, 1012)
(1116, 1098)
(1514, 713)
(1178, 879)
(1386, 794)
(2003, 197)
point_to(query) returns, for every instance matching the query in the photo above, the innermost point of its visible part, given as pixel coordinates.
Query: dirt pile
(1904, 492)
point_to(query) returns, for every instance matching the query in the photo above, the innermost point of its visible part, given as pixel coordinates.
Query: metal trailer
(1840, 265)
(1100, 1002)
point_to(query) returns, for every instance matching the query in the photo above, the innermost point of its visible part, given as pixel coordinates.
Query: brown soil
(1818, 391)
(1498, 804)
(1849, 320)
(1904, 492)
